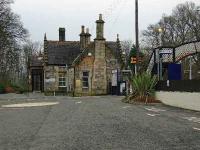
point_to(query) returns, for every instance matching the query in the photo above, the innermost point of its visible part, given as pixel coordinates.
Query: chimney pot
(45, 37)
(100, 17)
(87, 30)
(61, 34)
(83, 29)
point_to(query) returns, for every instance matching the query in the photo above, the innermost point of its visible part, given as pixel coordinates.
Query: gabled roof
(109, 44)
(69, 52)
(62, 53)
(84, 52)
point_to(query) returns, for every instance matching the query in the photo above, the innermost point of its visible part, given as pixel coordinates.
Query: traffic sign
(133, 60)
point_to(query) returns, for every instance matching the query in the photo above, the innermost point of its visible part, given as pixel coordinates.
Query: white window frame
(63, 80)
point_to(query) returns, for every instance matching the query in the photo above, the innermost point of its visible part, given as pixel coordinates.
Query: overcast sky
(40, 16)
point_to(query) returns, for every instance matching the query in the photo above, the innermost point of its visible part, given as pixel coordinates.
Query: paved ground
(97, 123)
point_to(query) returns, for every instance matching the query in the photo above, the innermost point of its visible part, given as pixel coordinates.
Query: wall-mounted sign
(174, 72)
(78, 83)
(50, 80)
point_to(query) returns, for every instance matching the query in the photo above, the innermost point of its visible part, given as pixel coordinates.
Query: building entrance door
(36, 83)
(37, 80)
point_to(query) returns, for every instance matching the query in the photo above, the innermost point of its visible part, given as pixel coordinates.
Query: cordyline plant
(143, 86)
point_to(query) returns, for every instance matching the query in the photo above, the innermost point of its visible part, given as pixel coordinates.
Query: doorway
(37, 80)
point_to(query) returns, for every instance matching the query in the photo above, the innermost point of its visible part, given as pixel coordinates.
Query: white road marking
(126, 107)
(155, 109)
(152, 115)
(196, 128)
(13, 108)
(192, 119)
(78, 102)
(30, 99)
(17, 108)
(30, 104)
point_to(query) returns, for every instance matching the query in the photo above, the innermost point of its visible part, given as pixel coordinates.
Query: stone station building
(79, 68)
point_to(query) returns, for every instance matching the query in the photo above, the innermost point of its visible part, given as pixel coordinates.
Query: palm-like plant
(143, 86)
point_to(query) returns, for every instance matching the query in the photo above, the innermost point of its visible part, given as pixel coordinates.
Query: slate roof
(110, 44)
(36, 61)
(67, 52)
(62, 53)
(113, 46)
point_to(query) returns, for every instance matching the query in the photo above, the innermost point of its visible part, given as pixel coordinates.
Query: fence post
(174, 55)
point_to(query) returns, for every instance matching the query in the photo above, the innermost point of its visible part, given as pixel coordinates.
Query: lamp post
(136, 36)
(160, 30)
(159, 59)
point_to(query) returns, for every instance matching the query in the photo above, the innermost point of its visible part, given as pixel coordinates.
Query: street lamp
(159, 59)
(160, 30)
(89, 54)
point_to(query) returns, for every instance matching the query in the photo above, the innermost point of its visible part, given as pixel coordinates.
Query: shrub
(19, 88)
(9, 89)
(143, 86)
(2, 88)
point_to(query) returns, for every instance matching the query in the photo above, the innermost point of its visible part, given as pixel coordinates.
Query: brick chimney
(61, 34)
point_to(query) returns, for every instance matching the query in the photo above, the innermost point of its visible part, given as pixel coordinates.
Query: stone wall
(85, 65)
(111, 64)
(70, 80)
(99, 80)
(51, 78)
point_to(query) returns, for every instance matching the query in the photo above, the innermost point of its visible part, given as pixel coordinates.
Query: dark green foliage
(2, 88)
(143, 86)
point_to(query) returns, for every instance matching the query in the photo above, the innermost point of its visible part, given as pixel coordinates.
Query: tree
(181, 26)
(12, 33)
(30, 49)
(126, 47)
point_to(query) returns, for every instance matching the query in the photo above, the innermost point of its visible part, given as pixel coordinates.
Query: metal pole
(135, 69)
(158, 64)
(136, 35)
(190, 68)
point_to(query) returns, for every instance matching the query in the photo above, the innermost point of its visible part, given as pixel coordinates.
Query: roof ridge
(61, 41)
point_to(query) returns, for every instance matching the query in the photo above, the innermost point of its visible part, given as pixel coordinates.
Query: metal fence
(179, 85)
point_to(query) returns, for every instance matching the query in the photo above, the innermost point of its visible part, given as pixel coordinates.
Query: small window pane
(62, 80)
(85, 79)
(85, 74)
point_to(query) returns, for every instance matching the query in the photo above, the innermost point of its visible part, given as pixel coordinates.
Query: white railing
(151, 64)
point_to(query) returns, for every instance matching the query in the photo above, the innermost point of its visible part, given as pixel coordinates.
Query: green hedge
(2, 88)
